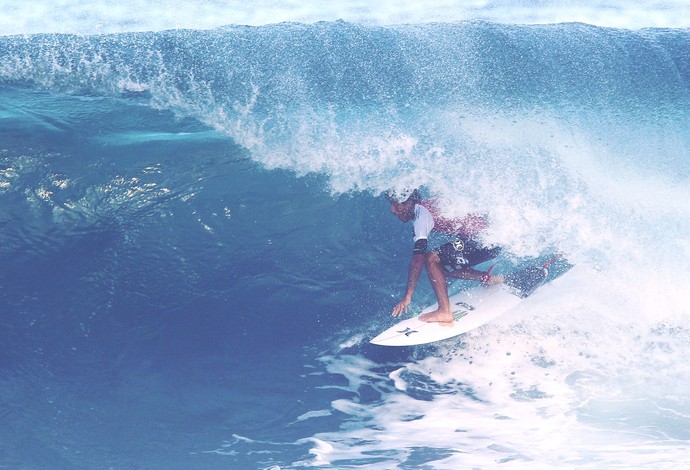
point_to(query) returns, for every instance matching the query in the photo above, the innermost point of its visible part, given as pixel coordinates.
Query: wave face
(194, 246)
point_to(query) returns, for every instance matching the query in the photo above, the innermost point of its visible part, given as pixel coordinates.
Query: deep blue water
(195, 252)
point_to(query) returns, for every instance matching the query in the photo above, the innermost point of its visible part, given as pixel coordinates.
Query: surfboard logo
(408, 331)
(458, 314)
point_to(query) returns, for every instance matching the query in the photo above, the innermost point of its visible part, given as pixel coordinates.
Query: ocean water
(195, 250)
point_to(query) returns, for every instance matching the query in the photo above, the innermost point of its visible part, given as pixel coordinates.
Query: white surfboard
(472, 308)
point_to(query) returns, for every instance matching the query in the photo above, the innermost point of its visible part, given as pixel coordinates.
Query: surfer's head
(403, 202)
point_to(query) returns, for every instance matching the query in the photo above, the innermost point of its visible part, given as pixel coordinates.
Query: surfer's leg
(437, 277)
(472, 274)
(471, 253)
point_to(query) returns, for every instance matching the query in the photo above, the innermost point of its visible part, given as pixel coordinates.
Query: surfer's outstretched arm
(415, 270)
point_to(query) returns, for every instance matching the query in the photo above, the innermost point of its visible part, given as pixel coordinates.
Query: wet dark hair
(415, 196)
(394, 197)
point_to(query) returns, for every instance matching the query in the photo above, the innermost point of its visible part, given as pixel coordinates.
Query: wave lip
(473, 111)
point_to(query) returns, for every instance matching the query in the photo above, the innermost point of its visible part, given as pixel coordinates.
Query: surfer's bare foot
(442, 318)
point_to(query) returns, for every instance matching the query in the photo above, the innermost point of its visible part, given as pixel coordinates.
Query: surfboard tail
(525, 281)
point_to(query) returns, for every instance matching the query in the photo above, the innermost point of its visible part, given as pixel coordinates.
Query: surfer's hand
(403, 306)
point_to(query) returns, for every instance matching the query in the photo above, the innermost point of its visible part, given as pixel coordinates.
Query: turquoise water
(195, 251)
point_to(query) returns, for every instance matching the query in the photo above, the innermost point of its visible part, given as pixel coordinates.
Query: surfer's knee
(432, 258)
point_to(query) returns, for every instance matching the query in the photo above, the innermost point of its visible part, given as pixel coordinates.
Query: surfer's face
(403, 210)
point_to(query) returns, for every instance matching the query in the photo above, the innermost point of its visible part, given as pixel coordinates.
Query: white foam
(544, 180)
(93, 17)
(321, 451)
(573, 377)
(313, 414)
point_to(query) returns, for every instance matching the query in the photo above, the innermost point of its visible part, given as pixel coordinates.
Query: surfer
(455, 259)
